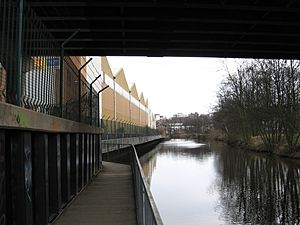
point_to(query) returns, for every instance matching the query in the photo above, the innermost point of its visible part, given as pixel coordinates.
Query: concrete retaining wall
(115, 144)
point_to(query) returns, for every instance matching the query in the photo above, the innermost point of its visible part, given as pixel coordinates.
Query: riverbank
(255, 145)
(281, 152)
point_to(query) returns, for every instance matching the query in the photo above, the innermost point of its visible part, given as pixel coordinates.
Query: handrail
(147, 212)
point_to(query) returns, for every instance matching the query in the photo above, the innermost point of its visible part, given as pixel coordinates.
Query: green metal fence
(126, 129)
(32, 74)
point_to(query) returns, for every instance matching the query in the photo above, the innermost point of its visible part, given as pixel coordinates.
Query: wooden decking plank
(108, 200)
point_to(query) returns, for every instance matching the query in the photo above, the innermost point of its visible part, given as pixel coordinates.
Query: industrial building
(121, 103)
(119, 108)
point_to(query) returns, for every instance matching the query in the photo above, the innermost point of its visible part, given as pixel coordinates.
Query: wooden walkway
(108, 200)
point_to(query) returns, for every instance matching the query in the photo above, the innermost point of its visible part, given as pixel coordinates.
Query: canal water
(212, 184)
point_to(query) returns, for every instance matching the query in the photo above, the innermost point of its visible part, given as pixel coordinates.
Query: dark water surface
(195, 184)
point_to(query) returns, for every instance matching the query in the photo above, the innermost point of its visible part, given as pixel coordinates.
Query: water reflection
(176, 176)
(181, 143)
(257, 189)
(194, 184)
(174, 149)
(184, 149)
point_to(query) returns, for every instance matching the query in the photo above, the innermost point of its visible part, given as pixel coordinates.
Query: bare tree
(262, 99)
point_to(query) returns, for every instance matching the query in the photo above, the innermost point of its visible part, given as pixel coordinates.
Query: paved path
(107, 200)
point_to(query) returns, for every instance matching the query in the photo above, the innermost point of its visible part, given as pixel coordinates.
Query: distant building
(123, 103)
(41, 91)
(180, 123)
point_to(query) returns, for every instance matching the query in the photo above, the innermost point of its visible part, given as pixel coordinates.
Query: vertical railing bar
(34, 66)
(33, 63)
(48, 74)
(26, 75)
(40, 70)
(50, 70)
(13, 44)
(2, 9)
(47, 80)
(7, 49)
(3, 82)
(30, 61)
(26, 56)
(52, 81)
(10, 54)
(24, 91)
(1, 38)
(54, 87)
(19, 51)
(45, 89)
(3, 13)
(52, 77)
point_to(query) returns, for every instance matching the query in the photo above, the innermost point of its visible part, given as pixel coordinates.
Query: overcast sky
(172, 84)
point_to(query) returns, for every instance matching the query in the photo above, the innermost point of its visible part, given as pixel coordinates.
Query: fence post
(91, 99)
(98, 103)
(14, 80)
(79, 88)
(61, 80)
(61, 71)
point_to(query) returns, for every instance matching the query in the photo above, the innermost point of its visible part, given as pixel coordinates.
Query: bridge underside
(215, 28)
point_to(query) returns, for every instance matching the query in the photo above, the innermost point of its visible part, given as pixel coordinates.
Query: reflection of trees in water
(258, 190)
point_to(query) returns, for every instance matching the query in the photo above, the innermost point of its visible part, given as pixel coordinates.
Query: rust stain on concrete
(55, 124)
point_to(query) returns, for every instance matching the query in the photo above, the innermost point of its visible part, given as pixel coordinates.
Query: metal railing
(147, 212)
